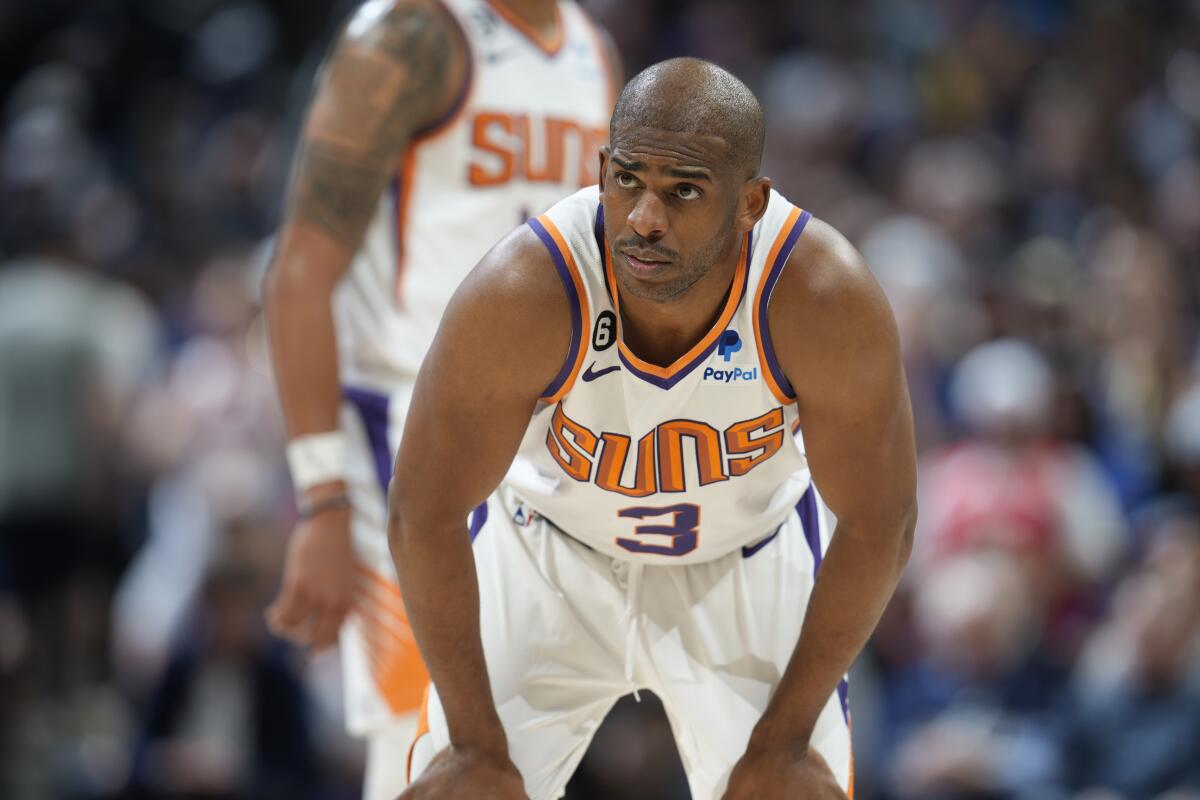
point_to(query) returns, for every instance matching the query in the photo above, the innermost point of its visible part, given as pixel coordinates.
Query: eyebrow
(688, 173)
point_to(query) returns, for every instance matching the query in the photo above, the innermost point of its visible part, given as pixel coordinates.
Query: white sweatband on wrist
(317, 458)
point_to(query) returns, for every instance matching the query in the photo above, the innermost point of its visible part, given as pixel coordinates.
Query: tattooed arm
(396, 66)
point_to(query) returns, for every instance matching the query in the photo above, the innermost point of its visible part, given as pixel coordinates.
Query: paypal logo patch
(729, 344)
(731, 375)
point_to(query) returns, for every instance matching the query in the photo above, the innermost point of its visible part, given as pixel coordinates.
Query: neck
(661, 332)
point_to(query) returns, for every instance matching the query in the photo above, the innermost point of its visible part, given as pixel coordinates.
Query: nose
(648, 218)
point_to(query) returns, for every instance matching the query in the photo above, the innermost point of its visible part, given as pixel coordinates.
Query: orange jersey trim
(396, 666)
(767, 372)
(422, 729)
(710, 338)
(585, 314)
(549, 45)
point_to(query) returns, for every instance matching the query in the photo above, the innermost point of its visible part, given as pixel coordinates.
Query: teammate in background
(435, 128)
(644, 350)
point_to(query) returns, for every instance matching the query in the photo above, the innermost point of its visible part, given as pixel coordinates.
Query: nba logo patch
(523, 518)
(729, 344)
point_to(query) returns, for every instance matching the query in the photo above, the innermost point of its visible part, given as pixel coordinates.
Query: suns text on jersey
(508, 147)
(720, 455)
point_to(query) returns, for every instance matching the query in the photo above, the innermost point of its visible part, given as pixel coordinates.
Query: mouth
(643, 264)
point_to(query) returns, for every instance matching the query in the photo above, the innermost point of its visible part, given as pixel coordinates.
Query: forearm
(303, 345)
(856, 580)
(436, 569)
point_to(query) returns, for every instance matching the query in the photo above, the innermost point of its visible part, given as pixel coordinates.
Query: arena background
(1023, 177)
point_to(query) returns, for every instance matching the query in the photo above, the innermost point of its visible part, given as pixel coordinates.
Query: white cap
(1001, 385)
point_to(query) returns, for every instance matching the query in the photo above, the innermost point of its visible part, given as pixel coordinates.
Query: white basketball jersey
(675, 464)
(524, 133)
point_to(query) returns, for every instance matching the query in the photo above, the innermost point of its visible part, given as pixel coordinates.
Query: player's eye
(686, 191)
(625, 180)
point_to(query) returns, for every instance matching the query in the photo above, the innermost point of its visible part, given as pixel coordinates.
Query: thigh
(723, 636)
(550, 624)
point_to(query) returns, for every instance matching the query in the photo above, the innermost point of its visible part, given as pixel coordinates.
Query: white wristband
(317, 458)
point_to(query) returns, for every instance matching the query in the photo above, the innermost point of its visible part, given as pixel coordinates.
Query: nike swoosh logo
(590, 375)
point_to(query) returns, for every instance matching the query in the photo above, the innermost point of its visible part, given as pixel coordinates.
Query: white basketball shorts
(567, 631)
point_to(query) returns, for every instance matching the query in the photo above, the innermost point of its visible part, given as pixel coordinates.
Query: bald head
(690, 95)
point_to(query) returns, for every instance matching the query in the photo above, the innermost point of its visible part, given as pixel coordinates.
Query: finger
(289, 616)
(326, 625)
(297, 633)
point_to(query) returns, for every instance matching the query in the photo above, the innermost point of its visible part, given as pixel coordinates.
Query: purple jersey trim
(478, 517)
(602, 248)
(670, 381)
(372, 407)
(750, 550)
(573, 300)
(598, 229)
(772, 276)
(807, 509)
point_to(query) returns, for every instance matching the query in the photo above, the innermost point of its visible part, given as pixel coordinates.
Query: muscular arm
(502, 341)
(396, 66)
(837, 343)
(393, 69)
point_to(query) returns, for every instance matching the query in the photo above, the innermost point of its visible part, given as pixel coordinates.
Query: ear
(604, 152)
(755, 194)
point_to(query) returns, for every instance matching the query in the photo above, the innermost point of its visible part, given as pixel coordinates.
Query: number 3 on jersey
(683, 530)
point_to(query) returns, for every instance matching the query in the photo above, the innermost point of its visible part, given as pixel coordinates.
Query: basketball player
(435, 128)
(644, 350)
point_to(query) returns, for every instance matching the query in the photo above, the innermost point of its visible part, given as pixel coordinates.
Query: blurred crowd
(1023, 178)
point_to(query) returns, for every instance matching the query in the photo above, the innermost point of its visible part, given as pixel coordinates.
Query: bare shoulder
(513, 313)
(828, 313)
(394, 26)
(826, 285)
(517, 273)
(397, 66)
(410, 50)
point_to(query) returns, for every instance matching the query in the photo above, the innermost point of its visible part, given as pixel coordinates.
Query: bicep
(859, 438)
(842, 355)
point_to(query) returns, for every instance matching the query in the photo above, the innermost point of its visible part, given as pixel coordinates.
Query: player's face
(670, 209)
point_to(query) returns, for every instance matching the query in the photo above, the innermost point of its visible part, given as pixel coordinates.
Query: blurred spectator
(1017, 535)
(75, 349)
(1009, 485)
(227, 720)
(970, 717)
(1133, 721)
(1137, 318)
(931, 291)
(210, 428)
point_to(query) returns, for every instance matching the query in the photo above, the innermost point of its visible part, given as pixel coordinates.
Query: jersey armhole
(777, 258)
(568, 273)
